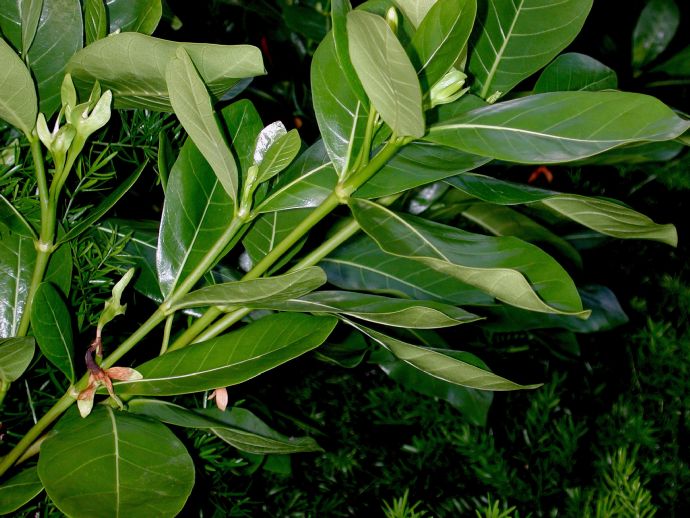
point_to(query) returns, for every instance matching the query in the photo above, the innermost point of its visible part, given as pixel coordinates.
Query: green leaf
(307, 21)
(341, 111)
(15, 357)
(87, 221)
(19, 490)
(362, 265)
(237, 426)
(14, 221)
(572, 72)
(339, 10)
(677, 65)
(415, 10)
(196, 212)
(441, 38)
(474, 404)
(515, 39)
(31, 14)
(413, 314)
(243, 124)
(95, 20)
(279, 155)
(231, 358)
(192, 105)
(115, 464)
(504, 221)
(511, 270)
(306, 183)
(17, 259)
(442, 366)
(559, 127)
(51, 323)
(18, 104)
(654, 30)
(604, 216)
(388, 77)
(279, 287)
(59, 272)
(416, 164)
(134, 15)
(133, 66)
(269, 230)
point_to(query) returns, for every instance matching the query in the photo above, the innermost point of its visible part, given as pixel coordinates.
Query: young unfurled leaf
(113, 307)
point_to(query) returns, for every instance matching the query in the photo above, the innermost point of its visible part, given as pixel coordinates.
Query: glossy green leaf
(504, 221)
(15, 357)
(14, 221)
(413, 314)
(515, 39)
(268, 289)
(196, 212)
(95, 20)
(654, 30)
(416, 164)
(115, 464)
(133, 67)
(279, 156)
(243, 124)
(606, 314)
(193, 107)
(306, 183)
(51, 323)
(237, 426)
(442, 366)
(17, 259)
(677, 65)
(59, 271)
(18, 104)
(86, 221)
(341, 113)
(441, 38)
(637, 153)
(388, 77)
(511, 270)
(362, 265)
(572, 72)
(415, 10)
(339, 10)
(19, 490)
(604, 216)
(269, 230)
(474, 404)
(231, 358)
(559, 126)
(31, 14)
(134, 15)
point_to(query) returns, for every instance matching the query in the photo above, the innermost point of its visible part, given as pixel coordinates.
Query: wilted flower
(221, 397)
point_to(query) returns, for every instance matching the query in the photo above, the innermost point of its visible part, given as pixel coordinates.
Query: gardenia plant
(412, 99)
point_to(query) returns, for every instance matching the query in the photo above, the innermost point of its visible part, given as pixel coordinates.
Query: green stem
(166, 334)
(196, 328)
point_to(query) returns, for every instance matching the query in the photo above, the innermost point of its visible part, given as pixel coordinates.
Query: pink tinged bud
(221, 397)
(85, 400)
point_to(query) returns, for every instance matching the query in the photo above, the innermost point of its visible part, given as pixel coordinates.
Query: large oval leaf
(441, 38)
(133, 66)
(415, 10)
(654, 30)
(18, 104)
(134, 15)
(232, 358)
(442, 366)
(511, 270)
(279, 287)
(340, 114)
(17, 258)
(194, 109)
(196, 212)
(559, 126)
(413, 314)
(19, 490)
(115, 464)
(361, 265)
(15, 357)
(388, 77)
(237, 426)
(572, 71)
(515, 39)
(51, 323)
(604, 216)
